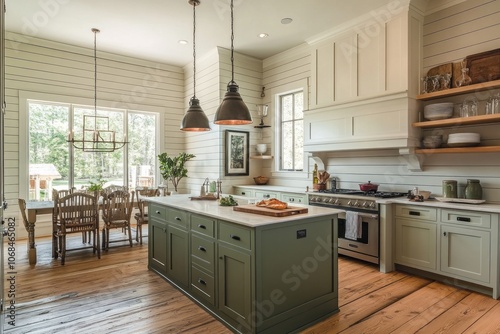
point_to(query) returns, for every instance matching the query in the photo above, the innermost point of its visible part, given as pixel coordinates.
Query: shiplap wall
(47, 67)
(449, 35)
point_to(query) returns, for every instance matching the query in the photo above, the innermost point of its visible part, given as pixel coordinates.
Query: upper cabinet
(361, 96)
(367, 61)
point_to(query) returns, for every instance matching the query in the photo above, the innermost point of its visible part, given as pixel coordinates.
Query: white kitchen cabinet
(416, 237)
(293, 198)
(460, 244)
(244, 192)
(265, 194)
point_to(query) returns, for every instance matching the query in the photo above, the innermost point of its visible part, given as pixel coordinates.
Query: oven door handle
(368, 215)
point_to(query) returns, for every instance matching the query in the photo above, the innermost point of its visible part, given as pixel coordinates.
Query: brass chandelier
(96, 135)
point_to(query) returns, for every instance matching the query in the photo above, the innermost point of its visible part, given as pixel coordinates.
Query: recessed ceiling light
(263, 35)
(183, 42)
(286, 20)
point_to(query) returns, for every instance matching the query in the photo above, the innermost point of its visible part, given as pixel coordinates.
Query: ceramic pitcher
(450, 188)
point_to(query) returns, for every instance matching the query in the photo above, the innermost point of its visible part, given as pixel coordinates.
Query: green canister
(473, 189)
(450, 188)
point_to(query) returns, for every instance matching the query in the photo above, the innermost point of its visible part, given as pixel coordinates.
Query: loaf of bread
(272, 203)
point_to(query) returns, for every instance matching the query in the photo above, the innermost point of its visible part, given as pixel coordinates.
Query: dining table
(35, 208)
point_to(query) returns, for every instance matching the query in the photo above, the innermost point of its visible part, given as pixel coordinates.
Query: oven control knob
(356, 204)
(332, 200)
(372, 205)
(337, 202)
(365, 204)
(350, 203)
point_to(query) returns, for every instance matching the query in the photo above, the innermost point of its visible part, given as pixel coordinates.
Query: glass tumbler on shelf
(492, 105)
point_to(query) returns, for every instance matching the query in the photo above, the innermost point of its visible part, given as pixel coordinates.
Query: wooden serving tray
(204, 198)
(252, 208)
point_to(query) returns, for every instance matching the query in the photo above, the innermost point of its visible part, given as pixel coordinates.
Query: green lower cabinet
(157, 245)
(178, 256)
(234, 286)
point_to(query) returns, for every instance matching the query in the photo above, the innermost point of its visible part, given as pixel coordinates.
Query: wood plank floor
(117, 294)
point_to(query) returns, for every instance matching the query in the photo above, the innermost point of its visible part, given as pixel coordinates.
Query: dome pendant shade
(195, 119)
(232, 110)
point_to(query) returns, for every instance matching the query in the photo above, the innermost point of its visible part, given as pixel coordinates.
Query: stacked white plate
(438, 111)
(463, 139)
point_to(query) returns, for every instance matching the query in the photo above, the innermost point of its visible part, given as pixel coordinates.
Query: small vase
(473, 190)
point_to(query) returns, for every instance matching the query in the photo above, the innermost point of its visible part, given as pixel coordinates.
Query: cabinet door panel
(416, 244)
(234, 284)
(346, 68)
(466, 252)
(178, 258)
(371, 61)
(322, 93)
(158, 246)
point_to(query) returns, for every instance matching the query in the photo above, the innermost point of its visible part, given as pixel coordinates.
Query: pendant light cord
(194, 49)
(232, 41)
(95, 31)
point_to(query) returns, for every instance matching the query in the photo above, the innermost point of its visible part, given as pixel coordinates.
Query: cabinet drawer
(293, 198)
(203, 252)
(468, 218)
(157, 212)
(266, 194)
(235, 235)
(178, 217)
(244, 192)
(416, 212)
(203, 225)
(203, 285)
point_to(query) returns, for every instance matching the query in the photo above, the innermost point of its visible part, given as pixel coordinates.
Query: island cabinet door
(178, 256)
(234, 285)
(158, 246)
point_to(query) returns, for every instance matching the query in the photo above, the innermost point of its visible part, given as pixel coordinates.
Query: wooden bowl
(261, 180)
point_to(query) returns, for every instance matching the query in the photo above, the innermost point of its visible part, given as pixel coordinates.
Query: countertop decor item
(449, 188)
(195, 119)
(368, 186)
(172, 168)
(261, 180)
(473, 189)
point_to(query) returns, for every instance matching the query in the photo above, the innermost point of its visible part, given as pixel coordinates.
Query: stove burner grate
(380, 194)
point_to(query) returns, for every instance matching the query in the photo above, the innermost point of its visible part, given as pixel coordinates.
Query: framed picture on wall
(237, 152)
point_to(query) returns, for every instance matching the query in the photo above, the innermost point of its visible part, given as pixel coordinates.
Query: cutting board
(252, 208)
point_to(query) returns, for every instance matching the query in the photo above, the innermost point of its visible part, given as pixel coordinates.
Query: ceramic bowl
(432, 141)
(424, 193)
(438, 111)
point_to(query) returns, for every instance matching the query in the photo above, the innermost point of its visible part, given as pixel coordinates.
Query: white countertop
(485, 207)
(213, 209)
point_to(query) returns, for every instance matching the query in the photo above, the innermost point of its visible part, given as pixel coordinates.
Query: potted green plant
(172, 168)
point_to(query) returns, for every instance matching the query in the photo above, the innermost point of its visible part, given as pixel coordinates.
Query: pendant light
(232, 110)
(194, 119)
(96, 136)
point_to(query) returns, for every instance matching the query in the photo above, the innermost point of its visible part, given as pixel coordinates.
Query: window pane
(48, 149)
(287, 108)
(299, 106)
(299, 145)
(142, 149)
(287, 146)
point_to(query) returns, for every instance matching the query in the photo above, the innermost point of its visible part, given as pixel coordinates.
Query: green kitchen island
(255, 273)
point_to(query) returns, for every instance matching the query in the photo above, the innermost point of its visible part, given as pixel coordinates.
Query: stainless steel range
(366, 245)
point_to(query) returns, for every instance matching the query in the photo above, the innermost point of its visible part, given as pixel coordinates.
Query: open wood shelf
(460, 90)
(481, 119)
(476, 149)
(261, 157)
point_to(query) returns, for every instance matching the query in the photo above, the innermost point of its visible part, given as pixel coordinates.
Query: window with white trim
(291, 121)
(54, 163)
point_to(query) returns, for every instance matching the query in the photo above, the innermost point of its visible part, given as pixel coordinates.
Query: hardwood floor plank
(461, 316)
(118, 294)
(364, 307)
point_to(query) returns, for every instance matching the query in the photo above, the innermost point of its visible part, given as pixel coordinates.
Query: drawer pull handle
(243, 193)
(267, 196)
(234, 237)
(203, 249)
(202, 226)
(157, 211)
(463, 219)
(414, 213)
(202, 281)
(444, 234)
(353, 245)
(178, 218)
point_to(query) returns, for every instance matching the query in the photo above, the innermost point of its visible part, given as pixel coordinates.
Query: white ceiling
(151, 29)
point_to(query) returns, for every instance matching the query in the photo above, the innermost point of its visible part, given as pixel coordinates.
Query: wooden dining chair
(116, 213)
(77, 213)
(30, 228)
(142, 216)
